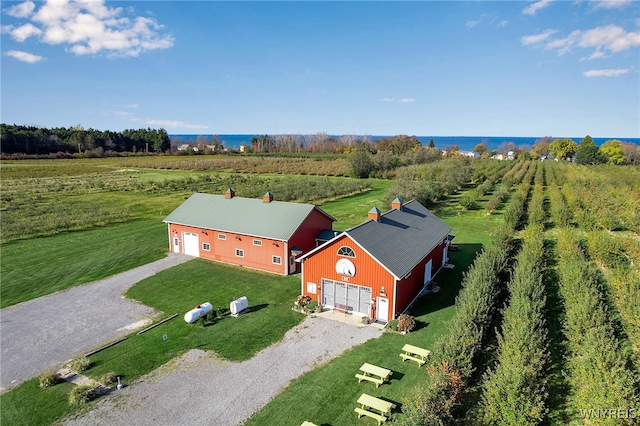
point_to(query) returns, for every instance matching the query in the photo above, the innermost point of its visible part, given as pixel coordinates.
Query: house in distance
(378, 268)
(260, 234)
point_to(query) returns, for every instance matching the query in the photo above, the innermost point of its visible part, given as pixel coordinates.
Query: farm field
(574, 221)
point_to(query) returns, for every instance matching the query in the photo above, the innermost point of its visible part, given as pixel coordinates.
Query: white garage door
(191, 244)
(356, 297)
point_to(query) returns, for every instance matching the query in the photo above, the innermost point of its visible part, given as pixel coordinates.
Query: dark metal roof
(327, 234)
(401, 238)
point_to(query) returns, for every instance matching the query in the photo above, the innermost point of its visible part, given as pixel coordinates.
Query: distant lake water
(465, 143)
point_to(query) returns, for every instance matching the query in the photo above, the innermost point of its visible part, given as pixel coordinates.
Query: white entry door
(382, 311)
(445, 254)
(176, 244)
(427, 271)
(191, 244)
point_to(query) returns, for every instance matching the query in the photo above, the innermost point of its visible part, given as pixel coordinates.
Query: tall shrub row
(598, 367)
(560, 212)
(458, 350)
(536, 205)
(428, 183)
(515, 391)
(623, 279)
(515, 208)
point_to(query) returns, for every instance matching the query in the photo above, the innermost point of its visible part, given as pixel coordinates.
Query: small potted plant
(365, 320)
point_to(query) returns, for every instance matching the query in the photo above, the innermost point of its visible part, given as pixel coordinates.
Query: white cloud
(611, 4)
(538, 38)
(25, 31)
(471, 24)
(405, 100)
(24, 56)
(533, 8)
(174, 124)
(131, 106)
(606, 72)
(608, 39)
(22, 10)
(502, 24)
(89, 27)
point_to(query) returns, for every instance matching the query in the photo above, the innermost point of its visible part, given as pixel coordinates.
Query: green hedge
(515, 391)
(598, 367)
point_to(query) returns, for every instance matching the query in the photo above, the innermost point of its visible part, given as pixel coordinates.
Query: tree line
(586, 152)
(32, 140)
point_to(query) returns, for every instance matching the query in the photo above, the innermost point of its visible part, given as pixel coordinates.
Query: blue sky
(484, 68)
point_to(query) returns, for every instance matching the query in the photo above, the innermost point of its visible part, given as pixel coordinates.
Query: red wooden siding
(305, 236)
(409, 287)
(369, 272)
(255, 257)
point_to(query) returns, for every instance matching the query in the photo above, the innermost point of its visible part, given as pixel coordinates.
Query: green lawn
(177, 290)
(352, 210)
(36, 267)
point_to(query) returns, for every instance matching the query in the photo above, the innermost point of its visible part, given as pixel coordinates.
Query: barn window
(312, 288)
(257, 243)
(239, 253)
(276, 260)
(206, 247)
(346, 251)
(222, 237)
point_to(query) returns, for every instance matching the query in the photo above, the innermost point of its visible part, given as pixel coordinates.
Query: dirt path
(43, 333)
(198, 389)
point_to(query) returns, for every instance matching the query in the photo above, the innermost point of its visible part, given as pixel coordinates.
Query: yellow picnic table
(306, 423)
(369, 403)
(374, 374)
(415, 353)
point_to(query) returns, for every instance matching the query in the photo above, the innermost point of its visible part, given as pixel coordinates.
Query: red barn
(379, 267)
(260, 234)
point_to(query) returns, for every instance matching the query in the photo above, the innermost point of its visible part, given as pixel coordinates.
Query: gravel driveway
(198, 389)
(46, 332)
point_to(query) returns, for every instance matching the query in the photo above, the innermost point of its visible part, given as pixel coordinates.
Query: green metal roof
(249, 216)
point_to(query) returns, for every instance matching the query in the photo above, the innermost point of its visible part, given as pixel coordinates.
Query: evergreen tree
(589, 153)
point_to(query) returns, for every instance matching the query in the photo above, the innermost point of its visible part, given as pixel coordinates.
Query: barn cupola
(396, 204)
(374, 214)
(229, 193)
(267, 198)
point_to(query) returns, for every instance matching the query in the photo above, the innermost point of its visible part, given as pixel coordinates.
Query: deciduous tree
(563, 149)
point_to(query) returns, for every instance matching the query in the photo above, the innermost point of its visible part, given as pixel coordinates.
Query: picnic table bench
(415, 353)
(368, 403)
(374, 374)
(306, 423)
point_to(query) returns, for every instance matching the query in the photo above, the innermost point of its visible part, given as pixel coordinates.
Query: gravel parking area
(198, 389)
(44, 333)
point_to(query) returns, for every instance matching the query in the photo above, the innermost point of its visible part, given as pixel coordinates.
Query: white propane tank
(198, 312)
(238, 305)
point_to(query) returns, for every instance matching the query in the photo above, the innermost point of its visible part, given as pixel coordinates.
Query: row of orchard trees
(33, 140)
(444, 396)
